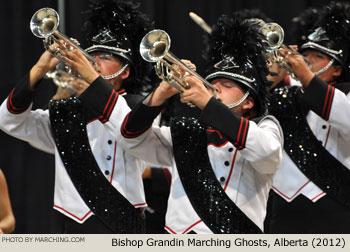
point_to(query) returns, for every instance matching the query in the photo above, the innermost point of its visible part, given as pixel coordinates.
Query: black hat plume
(235, 50)
(332, 35)
(118, 26)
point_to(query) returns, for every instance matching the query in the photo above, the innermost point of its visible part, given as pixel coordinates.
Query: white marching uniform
(120, 168)
(332, 129)
(245, 173)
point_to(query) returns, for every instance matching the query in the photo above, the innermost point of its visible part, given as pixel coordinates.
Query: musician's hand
(147, 173)
(189, 64)
(163, 92)
(82, 65)
(61, 93)
(79, 85)
(294, 47)
(278, 74)
(299, 67)
(197, 94)
(45, 63)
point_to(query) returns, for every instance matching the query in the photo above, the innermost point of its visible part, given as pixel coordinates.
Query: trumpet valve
(186, 85)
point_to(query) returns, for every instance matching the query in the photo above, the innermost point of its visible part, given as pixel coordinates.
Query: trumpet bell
(154, 45)
(274, 34)
(44, 22)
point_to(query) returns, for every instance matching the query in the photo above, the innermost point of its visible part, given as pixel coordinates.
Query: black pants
(302, 216)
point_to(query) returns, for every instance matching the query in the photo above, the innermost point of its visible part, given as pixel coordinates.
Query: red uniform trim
(239, 131)
(140, 204)
(245, 132)
(330, 103)
(230, 173)
(325, 101)
(285, 196)
(194, 224)
(243, 128)
(215, 131)
(113, 169)
(169, 229)
(218, 145)
(329, 129)
(74, 216)
(318, 195)
(130, 134)
(11, 108)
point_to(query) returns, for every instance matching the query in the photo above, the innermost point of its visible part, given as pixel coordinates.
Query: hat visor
(125, 54)
(242, 80)
(111, 49)
(331, 53)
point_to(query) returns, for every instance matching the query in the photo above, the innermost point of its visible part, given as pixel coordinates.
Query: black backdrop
(29, 172)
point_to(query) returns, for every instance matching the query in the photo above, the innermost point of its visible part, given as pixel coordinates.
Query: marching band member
(311, 188)
(98, 185)
(302, 27)
(223, 163)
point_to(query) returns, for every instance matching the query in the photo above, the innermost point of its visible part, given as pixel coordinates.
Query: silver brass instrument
(274, 36)
(44, 24)
(62, 78)
(154, 47)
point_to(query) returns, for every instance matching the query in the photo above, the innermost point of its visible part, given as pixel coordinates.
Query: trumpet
(62, 78)
(274, 37)
(154, 47)
(44, 24)
(273, 32)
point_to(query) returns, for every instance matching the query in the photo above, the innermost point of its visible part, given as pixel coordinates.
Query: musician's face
(229, 92)
(279, 74)
(318, 61)
(108, 64)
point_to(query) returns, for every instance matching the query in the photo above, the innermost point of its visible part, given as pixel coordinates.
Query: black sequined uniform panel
(204, 191)
(70, 134)
(321, 167)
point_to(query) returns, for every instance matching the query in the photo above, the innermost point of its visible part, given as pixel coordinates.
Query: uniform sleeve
(329, 103)
(228, 123)
(264, 145)
(144, 139)
(100, 99)
(132, 129)
(105, 104)
(17, 119)
(261, 144)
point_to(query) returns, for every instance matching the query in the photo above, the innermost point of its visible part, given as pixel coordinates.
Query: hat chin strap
(116, 74)
(239, 102)
(325, 68)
